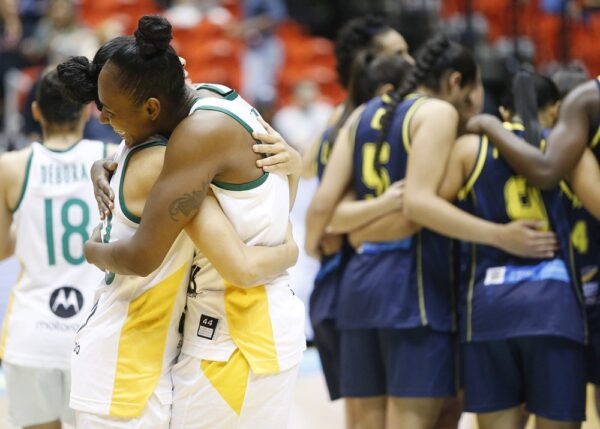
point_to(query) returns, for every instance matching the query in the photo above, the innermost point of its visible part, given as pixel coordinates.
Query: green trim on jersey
(124, 209)
(63, 150)
(25, 181)
(228, 113)
(230, 94)
(235, 186)
(242, 186)
(104, 150)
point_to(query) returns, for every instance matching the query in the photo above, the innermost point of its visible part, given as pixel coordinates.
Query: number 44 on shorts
(207, 327)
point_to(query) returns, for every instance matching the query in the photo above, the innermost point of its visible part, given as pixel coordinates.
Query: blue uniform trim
(386, 246)
(554, 269)
(329, 266)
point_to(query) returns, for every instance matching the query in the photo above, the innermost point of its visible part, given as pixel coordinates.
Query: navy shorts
(547, 374)
(327, 340)
(593, 356)
(417, 362)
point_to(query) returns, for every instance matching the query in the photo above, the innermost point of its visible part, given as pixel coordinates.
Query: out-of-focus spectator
(568, 77)
(188, 13)
(11, 24)
(302, 121)
(264, 53)
(59, 36)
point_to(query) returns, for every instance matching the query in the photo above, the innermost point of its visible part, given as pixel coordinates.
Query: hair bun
(79, 78)
(153, 35)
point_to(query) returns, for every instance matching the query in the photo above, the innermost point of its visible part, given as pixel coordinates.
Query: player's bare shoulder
(13, 169)
(584, 98)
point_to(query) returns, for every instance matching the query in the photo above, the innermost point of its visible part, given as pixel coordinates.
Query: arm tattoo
(186, 205)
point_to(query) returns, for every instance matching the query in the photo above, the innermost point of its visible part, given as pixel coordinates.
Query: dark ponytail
(531, 93)
(356, 35)
(356, 91)
(368, 73)
(437, 57)
(54, 106)
(355, 47)
(79, 77)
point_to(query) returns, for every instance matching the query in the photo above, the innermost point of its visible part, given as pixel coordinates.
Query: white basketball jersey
(126, 348)
(54, 216)
(265, 322)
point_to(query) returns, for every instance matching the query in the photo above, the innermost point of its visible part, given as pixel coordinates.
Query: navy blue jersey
(399, 284)
(323, 299)
(507, 296)
(594, 143)
(585, 239)
(325, 146)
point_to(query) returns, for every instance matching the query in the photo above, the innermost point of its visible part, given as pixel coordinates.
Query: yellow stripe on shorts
(229, 378)
(250, 327)
(142, 346)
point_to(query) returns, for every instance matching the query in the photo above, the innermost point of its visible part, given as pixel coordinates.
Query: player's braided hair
(369, 71)
(79, 76)
(54, 106)
(357, 35)
(438, 57)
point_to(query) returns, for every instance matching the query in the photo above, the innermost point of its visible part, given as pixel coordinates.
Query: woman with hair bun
(241, 345)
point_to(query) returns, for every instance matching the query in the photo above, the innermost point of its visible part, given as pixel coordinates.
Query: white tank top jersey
(54, 216)
(131, 339)
(265, 322)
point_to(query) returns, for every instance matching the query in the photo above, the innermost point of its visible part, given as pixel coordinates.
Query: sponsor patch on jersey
(494, 276)
(207, 327)
(66, 302)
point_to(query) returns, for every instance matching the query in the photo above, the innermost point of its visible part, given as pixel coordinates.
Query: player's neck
(61, 141)
(179, 113)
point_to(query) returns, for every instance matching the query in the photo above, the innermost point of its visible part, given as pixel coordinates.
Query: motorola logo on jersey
(66, 302)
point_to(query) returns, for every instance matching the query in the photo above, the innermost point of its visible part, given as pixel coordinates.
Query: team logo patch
(207, 327)
(66, 302)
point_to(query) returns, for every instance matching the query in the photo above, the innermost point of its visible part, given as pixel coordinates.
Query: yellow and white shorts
(156, 415)
(228, 395)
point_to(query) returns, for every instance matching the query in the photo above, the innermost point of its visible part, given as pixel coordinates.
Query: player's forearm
(317, 217)
(351, 214)
(116, 258)
(526, 159)
(439, 215)
(262, 263)
(392, 226)
(7, 249)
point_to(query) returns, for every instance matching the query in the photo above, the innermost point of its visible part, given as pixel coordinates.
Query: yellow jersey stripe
(470, 292)
(589, 276)
(566, 189)
(142, 346)
(11, 299)
(513, 126)
(595, 139)
(483, 148)
(406, 122)
(250, 327)
(229, 378)
(420, 288)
